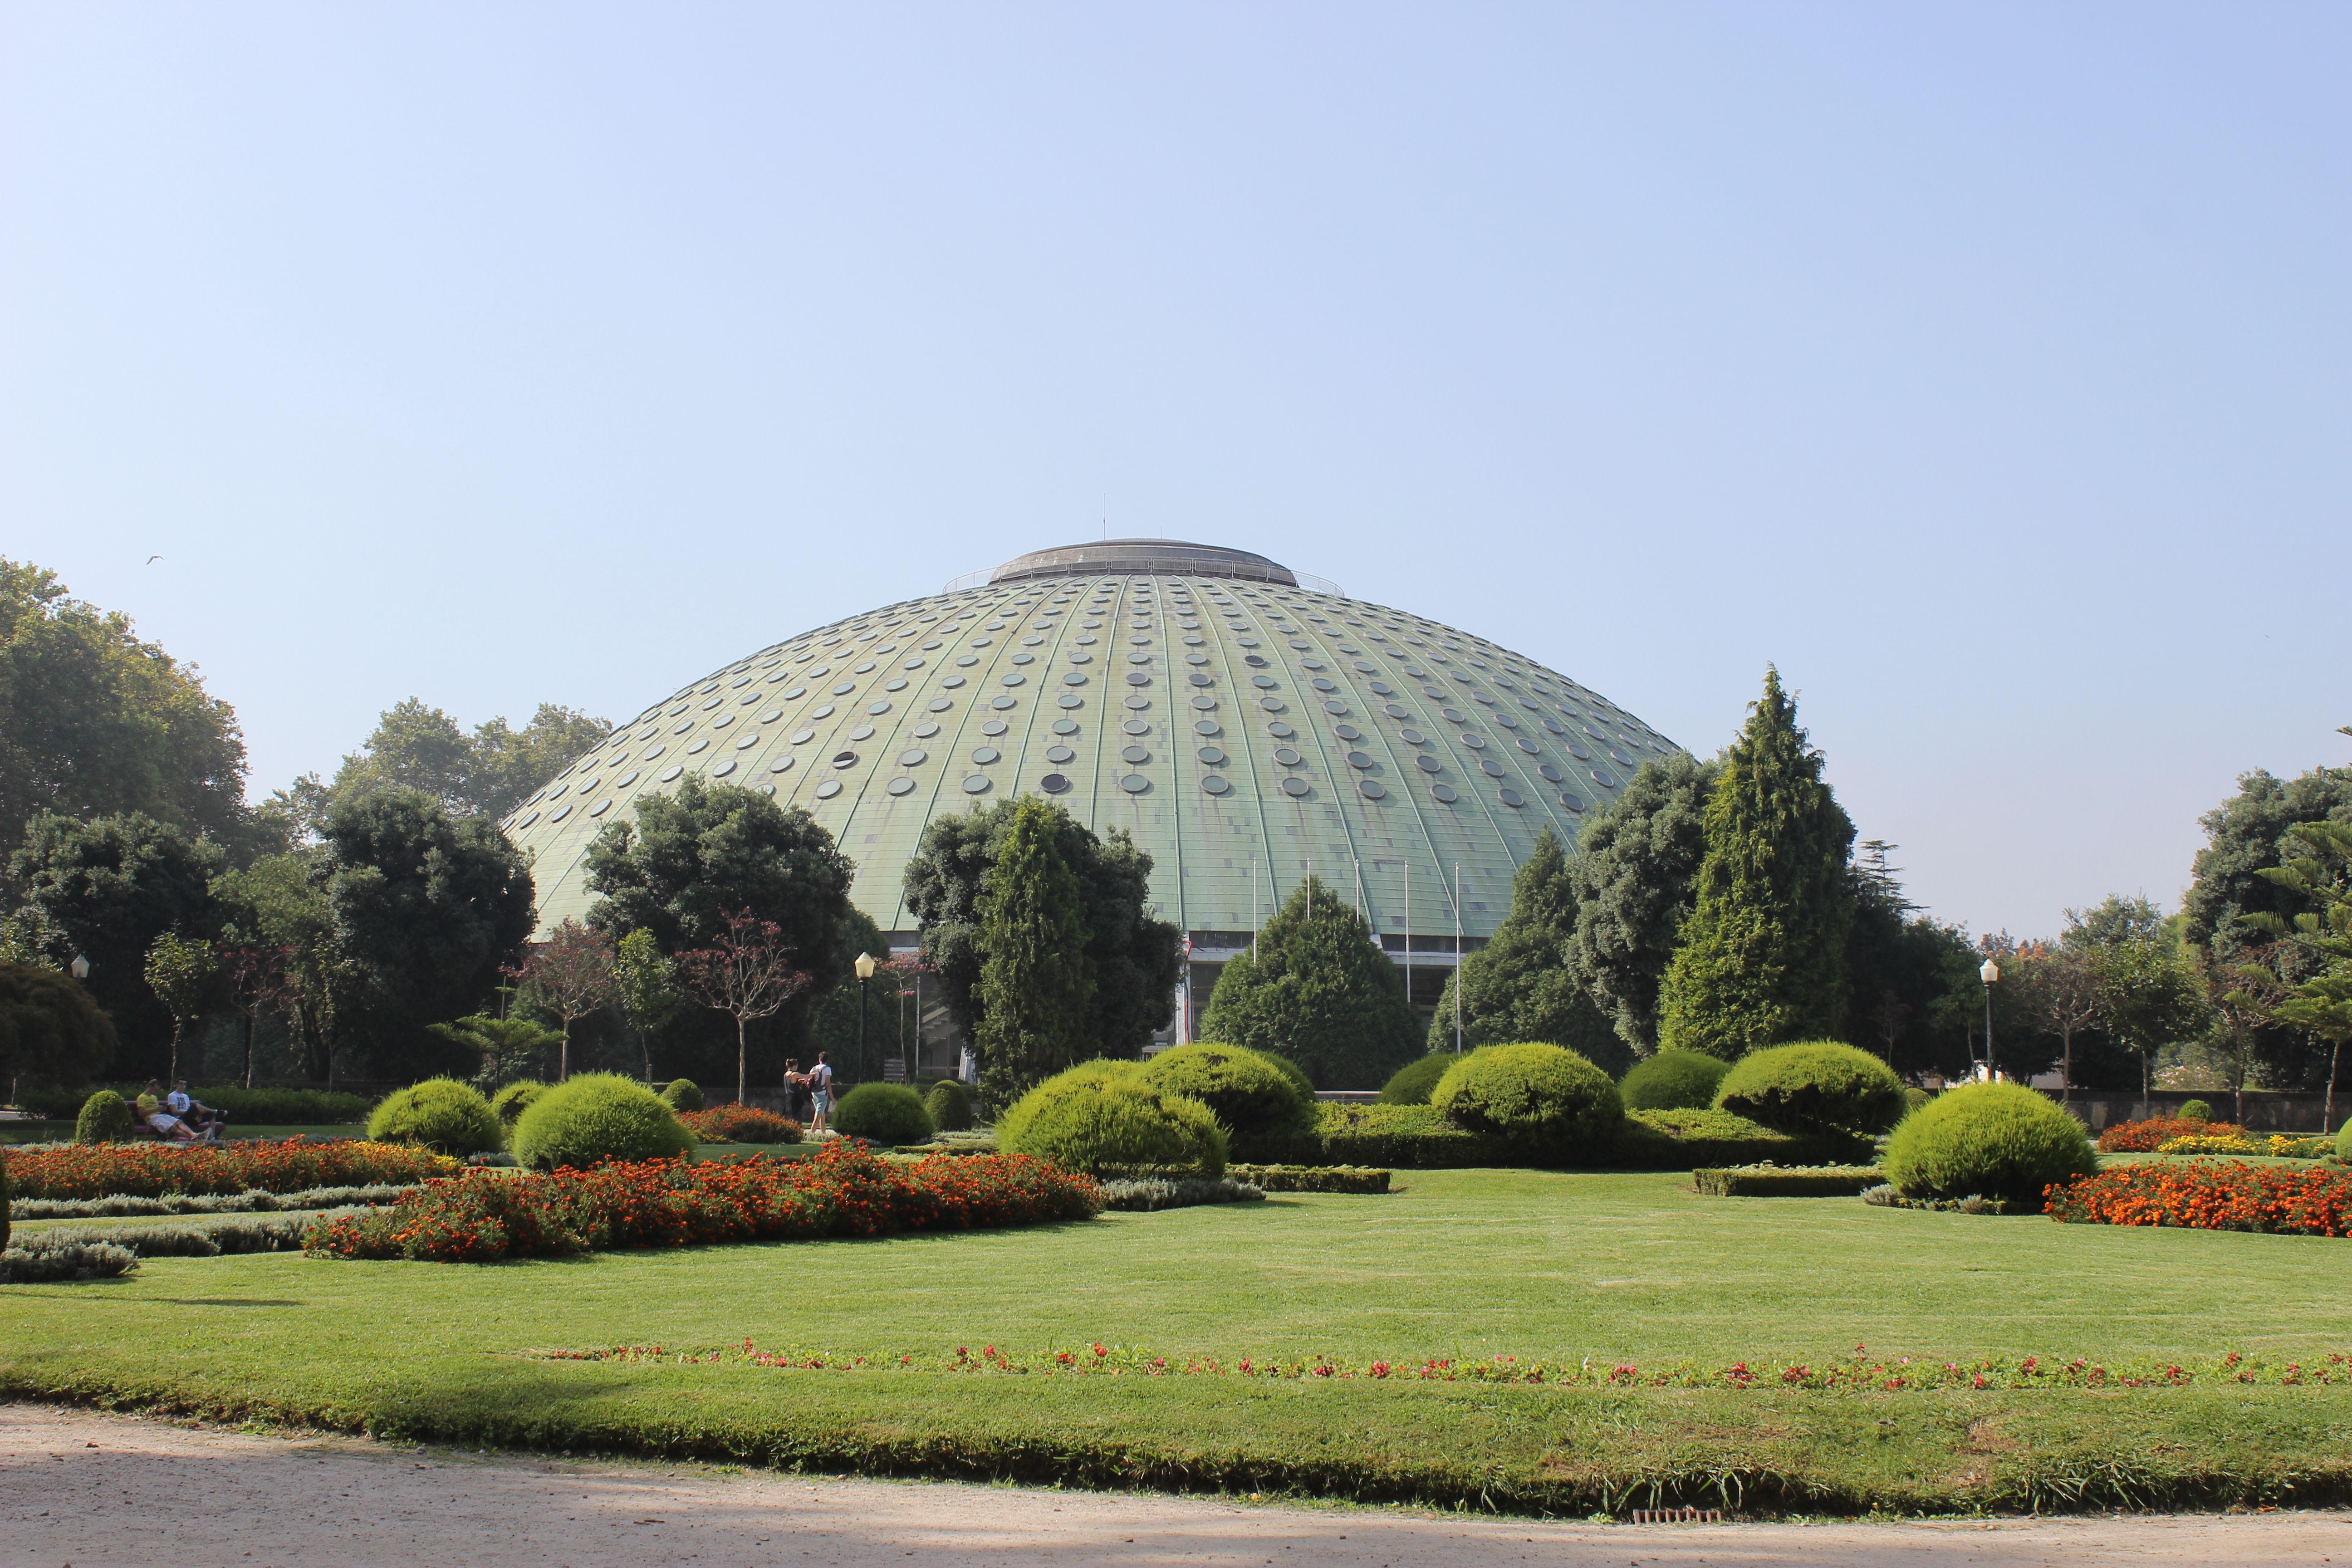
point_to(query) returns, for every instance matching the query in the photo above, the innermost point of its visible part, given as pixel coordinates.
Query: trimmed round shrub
(1547, 1099)
(105, 1119)
(1990, 1140)
(886, 1113)
(440, 1114)
(1102, 1116)
(1412, 1083)
(949, 1104)
(1913, 1099)
(511, 1102)
(683, 1094)
(2195, 1111)
(1819, 1086)
(2344, 1142)
(1672, 1080)
(1249, 1092)
(594, 1117)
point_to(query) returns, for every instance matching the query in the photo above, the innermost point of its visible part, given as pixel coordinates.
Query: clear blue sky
(1983, 365)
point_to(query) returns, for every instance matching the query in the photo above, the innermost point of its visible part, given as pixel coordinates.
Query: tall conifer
(1519, 987)
(1036, 985)
(1762, 960)
(1320, 991)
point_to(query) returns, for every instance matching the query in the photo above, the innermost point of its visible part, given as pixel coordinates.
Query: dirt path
(88, 1490)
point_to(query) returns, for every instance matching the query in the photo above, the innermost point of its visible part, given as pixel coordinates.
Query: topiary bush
(1672, 1080)
(1994, 1139)
(1414, 1081)
(2343, 1143)
(1913, 1099)
(1101, 1116)
(949, 1104)
(104, 1119)
(1247, 1089)
(594, 1117)
(1543, 1098)
(682, 1094)
(887, 1113)
(440, 1114)
(511, 1102)
(2195, 1111)
(1818, 1086)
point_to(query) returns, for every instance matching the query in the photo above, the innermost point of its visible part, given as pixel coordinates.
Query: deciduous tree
(570, 975)
(180, 970)
(747, 973)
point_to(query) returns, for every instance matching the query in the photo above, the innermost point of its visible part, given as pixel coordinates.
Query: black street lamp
(865, 965)
(1989, 974)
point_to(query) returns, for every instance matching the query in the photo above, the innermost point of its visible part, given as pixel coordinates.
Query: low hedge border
(272, 1233)
(41, 1261)
(1770, 1180)
(121, 1205)
(1350, 1179)
(1153, 1193)
(1416, 1138)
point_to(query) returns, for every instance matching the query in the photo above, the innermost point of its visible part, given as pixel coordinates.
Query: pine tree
(1321, 992)
(1036, 986)
(1518, 987)
(1762, 960)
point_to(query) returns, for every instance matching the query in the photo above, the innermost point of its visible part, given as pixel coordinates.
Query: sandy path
(82, 1488)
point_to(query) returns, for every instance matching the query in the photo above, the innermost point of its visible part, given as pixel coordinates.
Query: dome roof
(1219, 707)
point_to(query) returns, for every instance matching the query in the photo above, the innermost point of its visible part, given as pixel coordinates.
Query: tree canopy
(106, 888)
(1634, 877)
(96, 722)
(1519, 987)
(51, 1031)
(1135, 958)
(427, 911)
(1320, 992)
(413, 746)
(1763, 959)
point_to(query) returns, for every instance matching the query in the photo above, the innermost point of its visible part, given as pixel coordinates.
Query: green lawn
(1469, 1263)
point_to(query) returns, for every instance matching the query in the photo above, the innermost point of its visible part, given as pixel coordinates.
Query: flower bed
(2145, 1137)
(2278, 1145)
(842, 1191)
(2274, 1199)
(741, 1124)
(1858, 1371)
(153, 1170)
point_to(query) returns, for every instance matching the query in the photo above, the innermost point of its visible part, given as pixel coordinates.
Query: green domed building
(1245, 724)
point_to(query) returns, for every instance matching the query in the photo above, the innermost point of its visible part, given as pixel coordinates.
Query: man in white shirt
(820, 1082)
(201, 1119)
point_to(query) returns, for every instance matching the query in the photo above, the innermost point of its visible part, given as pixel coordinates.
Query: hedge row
(1787, 1181)
(1152, 1193)
(271, 1233)
(1417, 1137)
(43, 1262)
(1357, 1179)
(117, 1205)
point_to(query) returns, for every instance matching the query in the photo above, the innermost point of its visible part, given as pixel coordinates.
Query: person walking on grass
(820, 1083)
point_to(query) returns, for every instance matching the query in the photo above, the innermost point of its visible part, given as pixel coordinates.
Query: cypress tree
(1036, 985)
(1518, 987)
(1320, 993)
(1762, 960)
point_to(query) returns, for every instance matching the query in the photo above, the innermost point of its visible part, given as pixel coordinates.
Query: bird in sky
(153, 559)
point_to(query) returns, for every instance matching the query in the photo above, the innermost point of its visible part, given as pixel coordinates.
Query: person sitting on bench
(158, 1116)
(206, 1121)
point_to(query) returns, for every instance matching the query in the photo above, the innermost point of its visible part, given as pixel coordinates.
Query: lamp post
(865, 965)
(1989, 974)
(80, 967)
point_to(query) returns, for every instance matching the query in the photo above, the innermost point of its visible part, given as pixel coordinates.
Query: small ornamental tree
(2060, 988)
(570, 975)
(180, 972)
(748, 973)
(258, 983)
(510, 1048)
(1762, 959)
(1320, 993)
(644, 986)
(1035, 984)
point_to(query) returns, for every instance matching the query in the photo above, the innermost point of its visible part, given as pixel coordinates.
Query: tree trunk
(2067, 1072)
(645, 1051)
(742, 1057)
(2328, 1116)
(248, 1051)
(563, 1057)
(175, 1077)
(2143, 1086)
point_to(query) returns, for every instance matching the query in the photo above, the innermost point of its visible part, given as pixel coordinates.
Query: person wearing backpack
(820, 1084)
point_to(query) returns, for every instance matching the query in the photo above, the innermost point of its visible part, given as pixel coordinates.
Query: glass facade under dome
(1244, 726)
